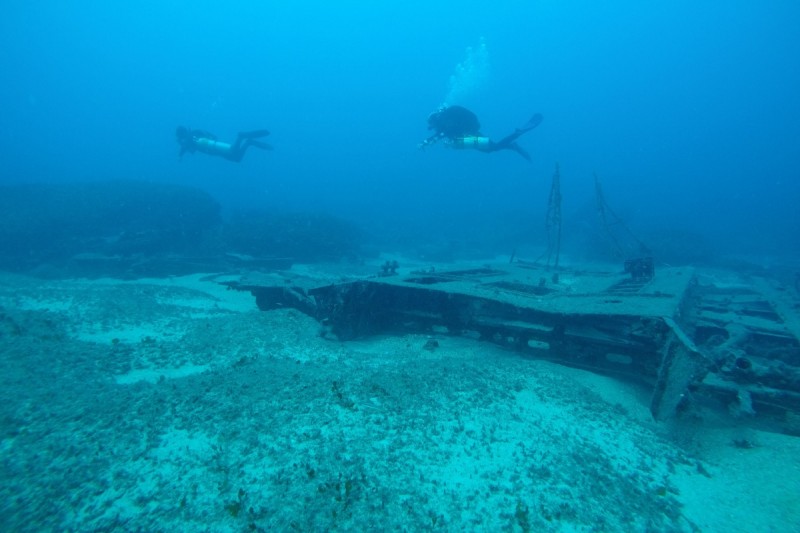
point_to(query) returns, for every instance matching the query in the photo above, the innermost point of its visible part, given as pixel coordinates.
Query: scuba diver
(201, 141)
(459, 128)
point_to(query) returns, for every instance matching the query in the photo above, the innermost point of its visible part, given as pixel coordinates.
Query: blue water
(686, 111)
(176, 405)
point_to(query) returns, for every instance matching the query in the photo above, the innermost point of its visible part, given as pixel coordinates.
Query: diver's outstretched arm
(430, 140)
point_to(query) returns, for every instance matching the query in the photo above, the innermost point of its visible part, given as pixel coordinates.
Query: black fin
(260, 144)
(534, 121)
(517, 148)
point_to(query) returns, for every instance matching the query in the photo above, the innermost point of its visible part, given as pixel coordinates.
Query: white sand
(176, 404)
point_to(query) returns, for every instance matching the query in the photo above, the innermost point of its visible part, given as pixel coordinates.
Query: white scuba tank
(472, 141)
(211, 146)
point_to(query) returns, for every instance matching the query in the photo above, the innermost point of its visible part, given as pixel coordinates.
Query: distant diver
(202, 141)
(458, 127)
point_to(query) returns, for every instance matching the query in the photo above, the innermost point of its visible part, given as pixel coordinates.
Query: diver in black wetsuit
(459, 128)
(201, 141)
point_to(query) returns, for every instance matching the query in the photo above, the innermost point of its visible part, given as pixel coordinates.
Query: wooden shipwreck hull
(682, 333)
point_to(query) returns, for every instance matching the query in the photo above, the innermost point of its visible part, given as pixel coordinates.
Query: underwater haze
(687, 111)
(587, 319)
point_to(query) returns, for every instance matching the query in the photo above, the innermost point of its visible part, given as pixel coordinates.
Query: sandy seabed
(176, 405)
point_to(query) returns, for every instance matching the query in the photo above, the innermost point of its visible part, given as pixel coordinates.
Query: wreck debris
(684, 333)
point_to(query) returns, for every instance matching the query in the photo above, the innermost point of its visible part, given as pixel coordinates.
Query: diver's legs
(237, 145)
(505, 145)
(240, 148)
(244, 139)
(507, 142)
(517, 148)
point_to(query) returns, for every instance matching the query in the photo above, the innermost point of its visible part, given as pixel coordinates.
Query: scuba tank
(210, 146)
(472, 141)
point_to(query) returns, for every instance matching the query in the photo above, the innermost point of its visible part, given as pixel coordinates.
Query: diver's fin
(517, 148)
(534, 121)
(259, 144)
